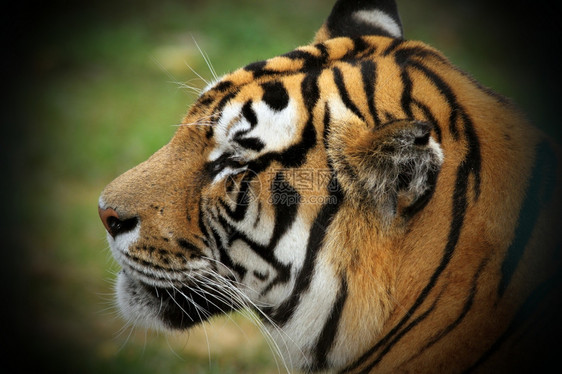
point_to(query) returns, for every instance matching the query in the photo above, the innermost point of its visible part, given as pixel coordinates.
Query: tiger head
(345, 191)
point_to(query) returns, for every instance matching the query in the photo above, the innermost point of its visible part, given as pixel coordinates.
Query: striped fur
(379, 209)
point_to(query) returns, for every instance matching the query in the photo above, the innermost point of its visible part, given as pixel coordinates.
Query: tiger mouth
(176, 307)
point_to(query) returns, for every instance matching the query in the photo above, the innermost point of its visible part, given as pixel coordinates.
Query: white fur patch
(436, 149)
(339, 111)
(230, 117)
(379, 19)
(121, 243)
(291, 249)
(301, 332)
(136, 305)
(276, 129)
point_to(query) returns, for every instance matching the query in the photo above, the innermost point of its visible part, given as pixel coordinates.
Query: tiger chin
(375, 206)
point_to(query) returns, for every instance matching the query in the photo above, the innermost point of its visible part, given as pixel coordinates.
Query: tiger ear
(355, 18)
(392, 169)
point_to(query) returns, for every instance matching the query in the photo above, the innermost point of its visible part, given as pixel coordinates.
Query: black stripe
(389, 117)
(359, 50)
(310, 61)
(474, 157)
(347, 168)
(330, 329)
(223, 86)
(310, 91)
(404, 331)
(327, 119)
(206, 100)
(201, 223)
(469, 301)
(187, 245)
(210, 132)
(429, 118)
(298, 54)
(252, 143)
(406, 99)
(231, 95)
(258, 215)
(260, 276)
(321, 60)
(407, 55)
(285, 209)
(446, 91)
(369, 77)
(422, 201)
(149, 274)
(256, 66)
(296, 154)
(275, 95)
(249, 113)
(224, 257)
(338, 79)
(539, 192)
(392, 46)
(259, 69)
(315, 240)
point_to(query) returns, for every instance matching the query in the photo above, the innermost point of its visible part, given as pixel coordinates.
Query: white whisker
(247, 304)
(199, 310)
(198, 75)
(208, 124)
(207, 60)
(179, 306)
(174, 80)
(202, 121)
(193, 89)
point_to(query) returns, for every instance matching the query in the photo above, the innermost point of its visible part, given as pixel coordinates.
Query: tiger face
(342, 192)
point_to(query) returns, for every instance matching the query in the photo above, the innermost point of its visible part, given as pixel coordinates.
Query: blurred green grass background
(97, 89)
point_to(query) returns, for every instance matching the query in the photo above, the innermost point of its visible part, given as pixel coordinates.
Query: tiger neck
(316, 328)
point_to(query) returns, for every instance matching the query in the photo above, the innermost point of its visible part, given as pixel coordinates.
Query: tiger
(374, 206)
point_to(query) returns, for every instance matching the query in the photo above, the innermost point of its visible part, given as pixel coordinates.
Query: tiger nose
(114, 224)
